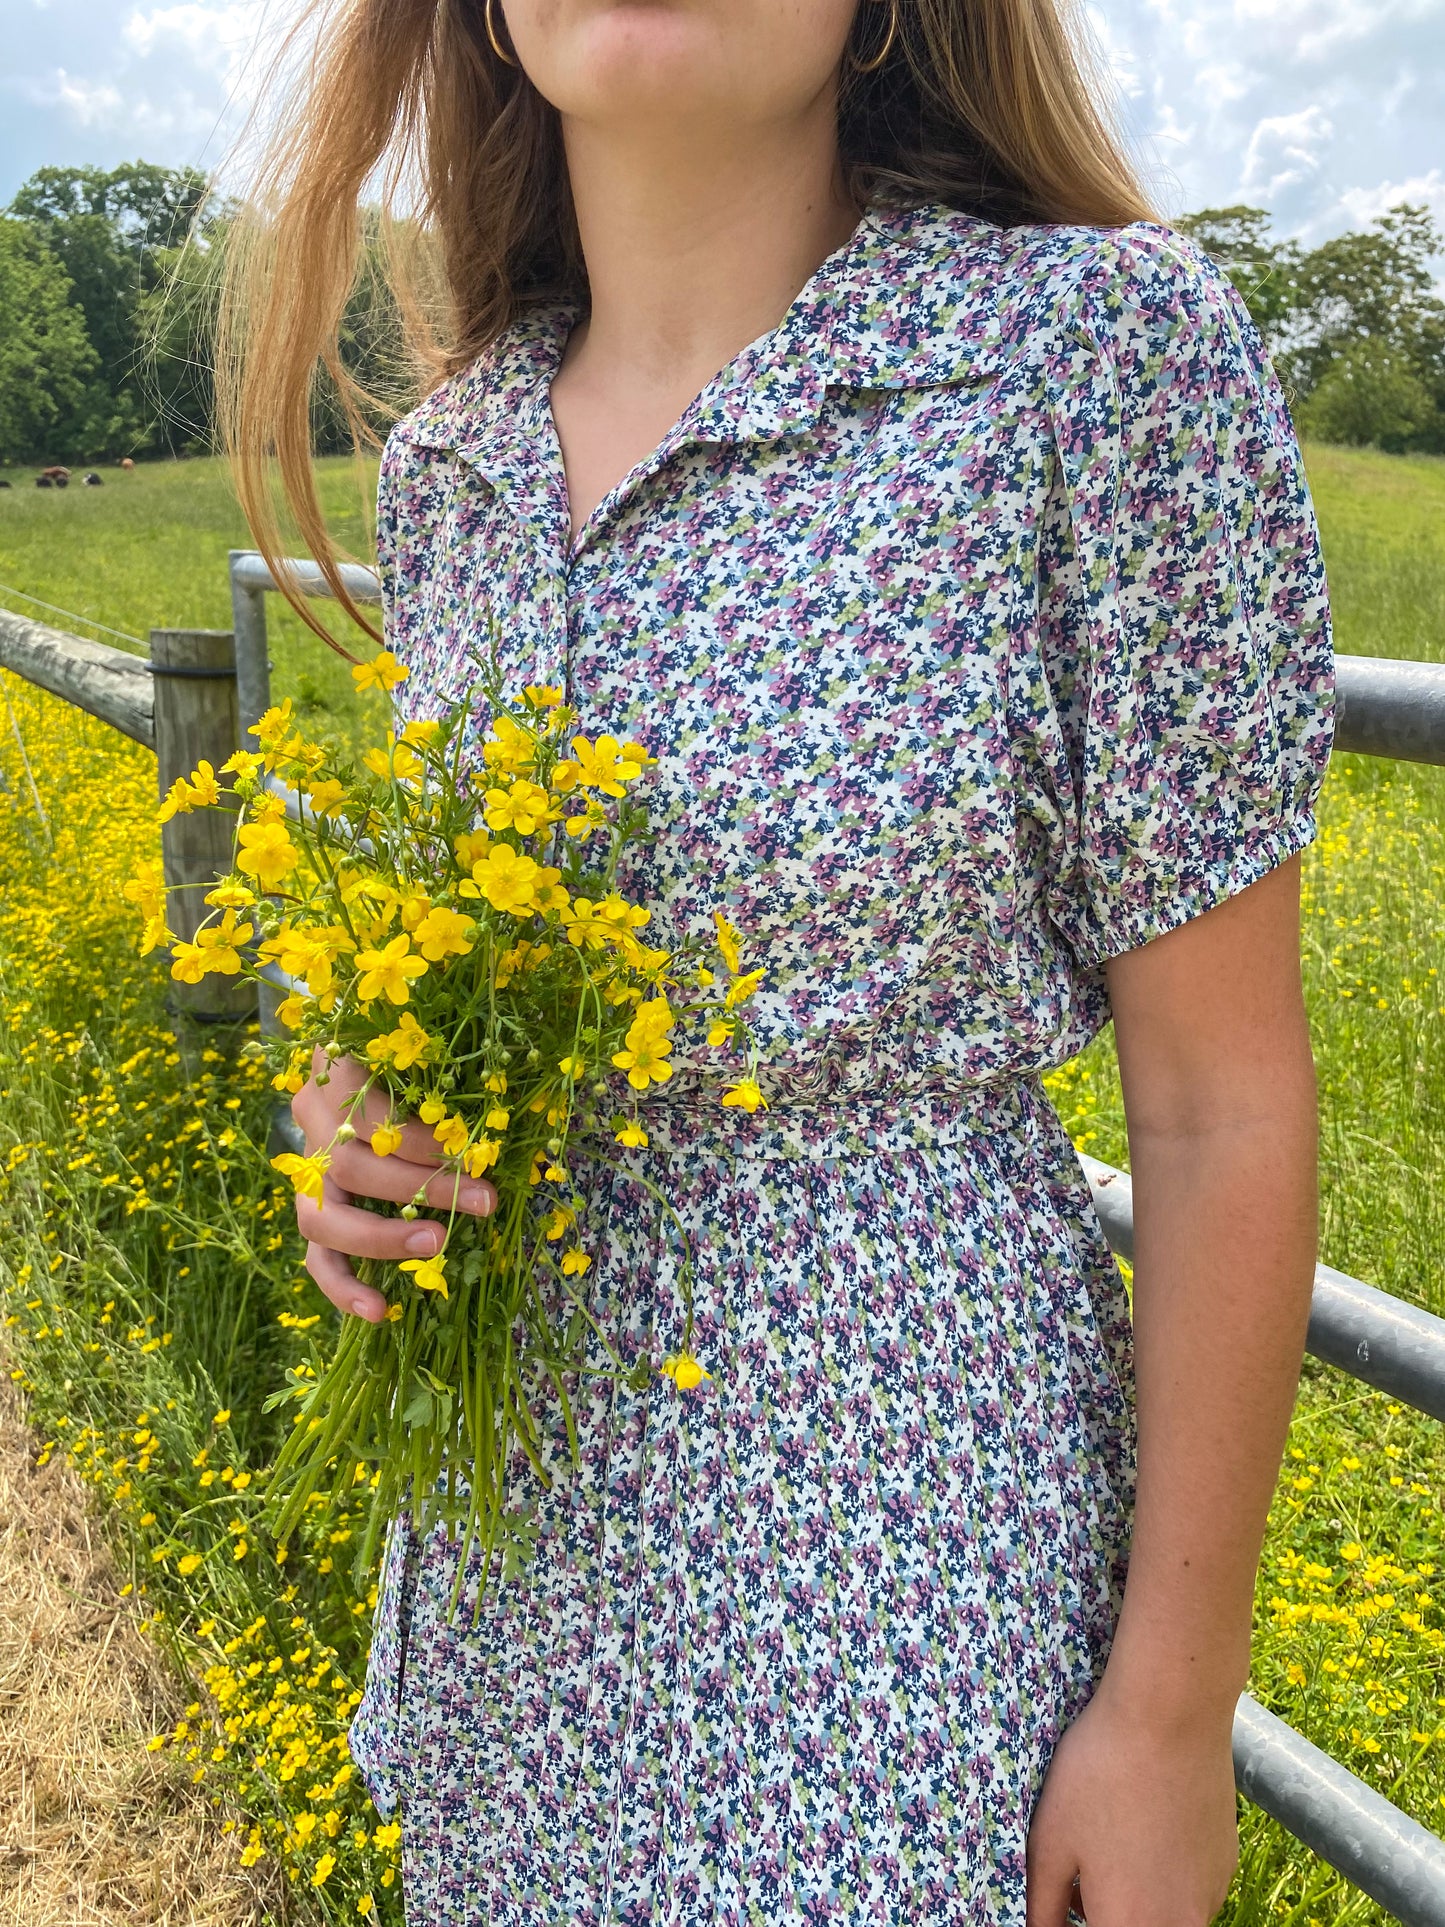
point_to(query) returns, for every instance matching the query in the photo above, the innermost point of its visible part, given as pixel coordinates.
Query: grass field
(151, 1275)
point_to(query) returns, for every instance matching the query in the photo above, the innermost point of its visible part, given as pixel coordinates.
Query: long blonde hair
(990, 106)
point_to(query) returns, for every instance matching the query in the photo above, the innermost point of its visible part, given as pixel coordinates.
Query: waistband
(869, 1124)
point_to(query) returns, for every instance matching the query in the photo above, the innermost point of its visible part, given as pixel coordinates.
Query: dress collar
(909, 300)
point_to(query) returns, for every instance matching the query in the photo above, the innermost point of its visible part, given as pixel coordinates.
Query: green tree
(1370, 395)
(109, 229)
(1373, 283)
(46, 361)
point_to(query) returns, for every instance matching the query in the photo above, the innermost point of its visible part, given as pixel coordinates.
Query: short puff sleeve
(1184, 713)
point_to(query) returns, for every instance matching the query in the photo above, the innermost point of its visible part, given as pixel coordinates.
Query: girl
(815, 399)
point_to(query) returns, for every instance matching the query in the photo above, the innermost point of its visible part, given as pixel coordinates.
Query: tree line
(108, 284)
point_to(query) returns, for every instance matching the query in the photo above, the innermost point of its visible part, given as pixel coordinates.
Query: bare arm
(1219, 1093)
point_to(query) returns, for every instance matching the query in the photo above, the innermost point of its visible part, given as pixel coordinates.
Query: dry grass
(95, 1830)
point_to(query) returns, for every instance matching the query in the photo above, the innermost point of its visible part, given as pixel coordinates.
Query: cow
(54, 477)
(127, 464)
(92, 480)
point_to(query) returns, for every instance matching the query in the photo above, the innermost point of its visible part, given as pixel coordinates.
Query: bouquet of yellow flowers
(453, 923)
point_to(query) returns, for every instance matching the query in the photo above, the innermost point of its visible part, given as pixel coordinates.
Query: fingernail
(423, 1242)
(361, 1306)
(475, 1197)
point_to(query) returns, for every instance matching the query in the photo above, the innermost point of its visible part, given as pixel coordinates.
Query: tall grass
(151, 1271)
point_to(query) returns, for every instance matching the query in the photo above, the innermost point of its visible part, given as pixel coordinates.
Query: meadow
(151, 1280)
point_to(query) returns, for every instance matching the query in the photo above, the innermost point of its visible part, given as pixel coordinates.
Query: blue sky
(1324, 111)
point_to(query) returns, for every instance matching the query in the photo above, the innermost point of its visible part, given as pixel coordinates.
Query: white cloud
(87, 103)
(1284, 150)
(215, 38)
(1365, 204)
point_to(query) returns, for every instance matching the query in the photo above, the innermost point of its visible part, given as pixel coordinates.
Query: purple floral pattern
(977, 615)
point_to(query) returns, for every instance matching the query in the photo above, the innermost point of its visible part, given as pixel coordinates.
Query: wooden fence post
(197, 720)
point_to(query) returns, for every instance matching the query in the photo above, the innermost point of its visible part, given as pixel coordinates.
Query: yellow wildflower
(325, 799)
(479, 1157)
(444, 933)
(511, 749)
(472, 847)
(685, 1371)
(608, 765)
(727, 942)
(274, 725)
(267, 853)
(741, 989)
(383, 672)
(506, 879)
(306, 1173)
(574, 1263)
(385, 1140)
(524, 807)
(389, 972)
(428, 1274)
(745, 1095)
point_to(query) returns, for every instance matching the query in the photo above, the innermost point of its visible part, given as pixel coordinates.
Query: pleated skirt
(796, 1646)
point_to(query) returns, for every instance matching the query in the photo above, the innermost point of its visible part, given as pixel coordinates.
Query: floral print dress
(977, 616)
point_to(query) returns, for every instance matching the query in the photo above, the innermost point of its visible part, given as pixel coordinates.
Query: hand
(1142, 1812)
(335, 1229)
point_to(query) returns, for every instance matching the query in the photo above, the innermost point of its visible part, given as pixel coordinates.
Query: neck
(690, 254)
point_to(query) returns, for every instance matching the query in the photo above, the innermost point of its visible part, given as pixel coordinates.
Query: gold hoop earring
(872, 66)
(507, 60)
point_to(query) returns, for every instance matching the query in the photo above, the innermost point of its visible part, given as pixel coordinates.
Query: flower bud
(345, 1133)
(408, 1211)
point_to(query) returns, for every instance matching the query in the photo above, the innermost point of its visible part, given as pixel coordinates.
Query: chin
(662, 58)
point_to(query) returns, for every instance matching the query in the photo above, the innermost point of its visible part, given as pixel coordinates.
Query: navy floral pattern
(977, 615)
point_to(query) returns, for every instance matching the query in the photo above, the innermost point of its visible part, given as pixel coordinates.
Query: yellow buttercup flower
(507, 879)
(685, 1371)
(645, 1060)
(444, 933)
(306, 1173)
(728, 942)
(472, 847)
(273, 727)
(389, 972)
(480, 1155)
(428, 1274)
(574, 1263)
(524, 807)
(511, 749)
(325, 799)
(451, 1134)
(383, 672)
(632, 1134)
(231, 896)
(608, 765)
(745, 1095)
(386, 1139)
(557, 1222)
(402, 1047)
(398, 761)
(266, 853)
(741, 989)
